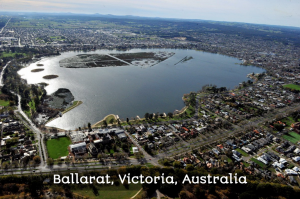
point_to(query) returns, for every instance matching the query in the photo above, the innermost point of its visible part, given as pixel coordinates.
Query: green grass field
(262, 165)
(292, 86)
(10, 54)
(4, 103)
(242, 152)
(292, 137)
(32, 105)
(295, 135)
(288, 121)
(58, 147)
(110, 191)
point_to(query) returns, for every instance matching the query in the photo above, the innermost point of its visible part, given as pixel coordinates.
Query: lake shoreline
(193, 72)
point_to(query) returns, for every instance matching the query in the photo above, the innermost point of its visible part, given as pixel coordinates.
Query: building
(78, 149)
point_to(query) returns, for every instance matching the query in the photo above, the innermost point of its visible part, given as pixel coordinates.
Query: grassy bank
(75, 104)
(107, 118)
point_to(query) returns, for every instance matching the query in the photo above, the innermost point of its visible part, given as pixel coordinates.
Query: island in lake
(50, 76)
(144, 59)
(43, 84)
(37, 70)
(60, 99)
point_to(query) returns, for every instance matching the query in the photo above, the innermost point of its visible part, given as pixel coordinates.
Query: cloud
(281, 12)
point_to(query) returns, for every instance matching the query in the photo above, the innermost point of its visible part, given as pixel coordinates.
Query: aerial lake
(133, 90)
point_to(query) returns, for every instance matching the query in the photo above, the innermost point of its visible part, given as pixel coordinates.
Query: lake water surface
(129, 91)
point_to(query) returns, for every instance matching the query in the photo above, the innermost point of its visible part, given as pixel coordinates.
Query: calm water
(130, 90)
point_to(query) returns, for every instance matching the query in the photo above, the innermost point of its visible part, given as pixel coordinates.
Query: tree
(247, 195)
(89, 126)
(25, 161)
(150, 116)
(37, 159)
(67, 160)
(170, 115)
(105, 123)
(183, 195)
(15, 163)
(146, 148)
(127, 119)
(125, 147)
(146, 116)
(278, 127)
(50, 161)
(150, 138)
(198, 193)
(138, 155)
(156, 116)
(189, 167)
(112, 120)
(100, 156)
(5, 165)
(176, 164)
(117, 155)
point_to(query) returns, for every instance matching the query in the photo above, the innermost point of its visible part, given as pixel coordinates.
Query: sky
(272, 12)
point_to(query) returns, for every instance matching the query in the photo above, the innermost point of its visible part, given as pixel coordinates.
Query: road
(72, 167)
(4, 26)
(39, 134)
(1, 75)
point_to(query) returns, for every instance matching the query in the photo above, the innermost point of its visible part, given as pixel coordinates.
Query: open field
(58, 147)
(292, 137)
(10, 54)
(4, 103)
(109, 191)
(242, 152)
(262, 165)
(292, 86)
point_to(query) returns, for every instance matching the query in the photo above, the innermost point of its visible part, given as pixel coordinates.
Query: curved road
(39, 134)
(1, 75)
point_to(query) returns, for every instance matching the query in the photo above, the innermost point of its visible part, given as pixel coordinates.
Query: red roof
(185, 129)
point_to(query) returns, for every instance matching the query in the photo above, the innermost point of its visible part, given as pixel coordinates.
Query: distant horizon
(137, 16)
(267, 12)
